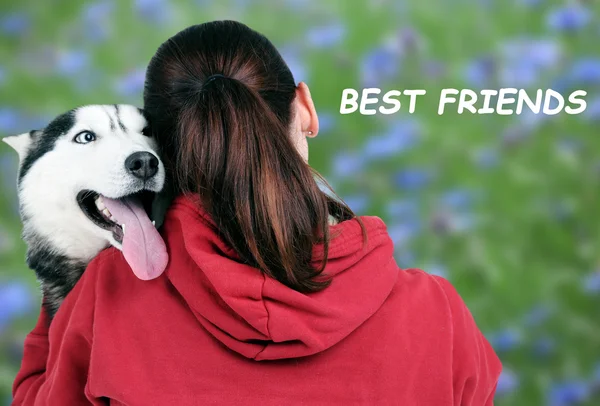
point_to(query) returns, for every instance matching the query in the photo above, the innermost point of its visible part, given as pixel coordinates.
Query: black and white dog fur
(86, 153)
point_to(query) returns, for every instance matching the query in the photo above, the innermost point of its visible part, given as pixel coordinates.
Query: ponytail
(262, 194)
(229, 142)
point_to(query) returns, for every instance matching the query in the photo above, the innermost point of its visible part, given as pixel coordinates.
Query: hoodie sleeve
(475, 366)
(56, 363)
(35, 354)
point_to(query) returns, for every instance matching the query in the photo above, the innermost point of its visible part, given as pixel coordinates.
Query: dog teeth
(100, 204)
(106, 213)
(154, 223)
(123, 227)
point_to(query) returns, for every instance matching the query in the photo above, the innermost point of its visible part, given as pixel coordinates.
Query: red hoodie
(212, 331)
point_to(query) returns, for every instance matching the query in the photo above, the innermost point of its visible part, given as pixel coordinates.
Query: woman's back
(214, 331)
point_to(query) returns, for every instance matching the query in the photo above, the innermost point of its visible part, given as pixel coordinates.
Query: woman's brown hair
(218, 97)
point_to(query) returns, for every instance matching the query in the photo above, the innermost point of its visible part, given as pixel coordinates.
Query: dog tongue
(143, 247)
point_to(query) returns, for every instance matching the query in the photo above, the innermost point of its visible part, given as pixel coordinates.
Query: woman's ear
(309, 121)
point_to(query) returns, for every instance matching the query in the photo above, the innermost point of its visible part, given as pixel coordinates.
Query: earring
(309, 132)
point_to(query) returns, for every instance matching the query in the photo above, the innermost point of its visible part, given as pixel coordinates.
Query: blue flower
(539, 53)
(402, 232)
(480, 72)
(568, 393)
(358, 203)
(155, 11)
(408, 128)
(380, 65)
(97, 11)
(591, 283)
(434, 69)
(71, 62)
(524, 59)
(592, 111)
(132, 84)
(412, 179)
(400, 209)
(89, 80)
(347, 164)
(9, 121)
(401, 136)
(95, 17)
(486, 157)
(544, 346)
(518, 75)
(458, 199)
(410, 39)
(298, 5)
(17, 301)
(461, 222)
(538, 315)
(15, 24)
(529, 121)
(326, 36)
(241, 4)
(294, 60)
(380, 147)
(569, 18)
(505, 340)
(36, 122)
(327, 122)
(584, 71)
(508, 382)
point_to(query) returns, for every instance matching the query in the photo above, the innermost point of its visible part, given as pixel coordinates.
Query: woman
(275, 293)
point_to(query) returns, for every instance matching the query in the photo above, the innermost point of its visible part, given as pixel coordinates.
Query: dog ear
(21, 142)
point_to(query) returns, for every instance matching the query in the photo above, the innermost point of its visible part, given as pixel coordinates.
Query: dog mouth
(93, 206)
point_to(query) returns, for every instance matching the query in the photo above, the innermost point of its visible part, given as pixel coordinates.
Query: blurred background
(505, 207)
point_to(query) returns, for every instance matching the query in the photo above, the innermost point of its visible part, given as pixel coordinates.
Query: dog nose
(142, 165)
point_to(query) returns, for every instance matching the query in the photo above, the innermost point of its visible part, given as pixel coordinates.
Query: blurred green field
(505, 207)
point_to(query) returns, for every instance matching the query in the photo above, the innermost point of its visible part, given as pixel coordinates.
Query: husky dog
(85, 182)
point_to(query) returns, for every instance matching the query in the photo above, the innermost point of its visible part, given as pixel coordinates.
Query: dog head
(81, 156)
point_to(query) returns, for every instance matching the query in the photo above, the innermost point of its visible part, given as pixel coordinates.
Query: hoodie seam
(262, 297)
(440, 281)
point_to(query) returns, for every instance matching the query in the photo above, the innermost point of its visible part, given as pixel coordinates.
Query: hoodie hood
(259, 317)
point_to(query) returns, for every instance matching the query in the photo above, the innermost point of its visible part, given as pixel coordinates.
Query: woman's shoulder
(108, 257)
(418, 281)
(109, 264)
(437, 285)
(425, 295)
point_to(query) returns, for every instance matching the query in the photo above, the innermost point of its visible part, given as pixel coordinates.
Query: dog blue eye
(85, 137)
